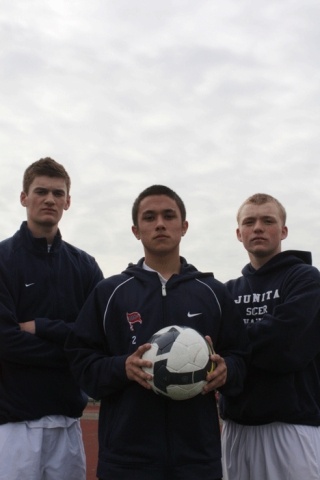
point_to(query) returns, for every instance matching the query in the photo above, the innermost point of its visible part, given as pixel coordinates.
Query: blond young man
(272, 429)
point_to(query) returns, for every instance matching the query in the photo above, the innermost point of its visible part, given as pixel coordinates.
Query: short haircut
(157, 190)
(260, 199)
(45, 167)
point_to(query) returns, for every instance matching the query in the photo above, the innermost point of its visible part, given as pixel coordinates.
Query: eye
(41, 191)
(269, 221)
(58, 193)
(148, 217)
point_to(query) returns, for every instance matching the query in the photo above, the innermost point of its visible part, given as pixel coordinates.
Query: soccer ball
(181, 361)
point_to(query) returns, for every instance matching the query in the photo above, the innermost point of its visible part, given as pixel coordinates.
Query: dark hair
(44, 167)
(157, 190)
(260, 199)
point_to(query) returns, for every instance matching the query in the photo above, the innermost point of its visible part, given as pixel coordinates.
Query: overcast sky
(216, 99)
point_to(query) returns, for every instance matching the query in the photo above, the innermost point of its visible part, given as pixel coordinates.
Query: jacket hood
(282, 259)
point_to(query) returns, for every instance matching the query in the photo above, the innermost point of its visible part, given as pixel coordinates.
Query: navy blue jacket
(138, 429)
(50, 288)
(280, 306)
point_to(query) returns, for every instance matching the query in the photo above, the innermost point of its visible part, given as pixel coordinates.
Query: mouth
(161, 237)
(48, 210)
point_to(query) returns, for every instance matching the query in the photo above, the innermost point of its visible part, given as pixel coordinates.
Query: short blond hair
(260, 199)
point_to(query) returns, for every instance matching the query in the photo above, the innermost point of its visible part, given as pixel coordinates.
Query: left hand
(218, 377)
(29, 326)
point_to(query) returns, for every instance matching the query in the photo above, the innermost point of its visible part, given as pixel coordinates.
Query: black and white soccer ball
(181, 361)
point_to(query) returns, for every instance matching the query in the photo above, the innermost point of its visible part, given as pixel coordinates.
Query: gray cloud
(217, 100)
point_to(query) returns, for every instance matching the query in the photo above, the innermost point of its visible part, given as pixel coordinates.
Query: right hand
(134, 364)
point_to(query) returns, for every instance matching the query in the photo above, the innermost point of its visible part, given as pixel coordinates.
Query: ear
(23, 199)
(68, 203)
(135, 231)
(284, 232)
(185, 226)
(239, 235)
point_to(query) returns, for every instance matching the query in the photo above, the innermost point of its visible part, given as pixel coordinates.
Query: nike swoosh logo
(194, 314)
(29, 284)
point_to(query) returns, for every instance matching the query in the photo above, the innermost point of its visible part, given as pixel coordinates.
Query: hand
(29, 326)
(134, 364)
(218, 377)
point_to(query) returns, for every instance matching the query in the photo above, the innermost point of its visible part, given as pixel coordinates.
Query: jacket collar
(39, 244)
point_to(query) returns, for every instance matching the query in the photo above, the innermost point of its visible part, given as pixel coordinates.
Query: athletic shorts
(40, 453)
(275, 451)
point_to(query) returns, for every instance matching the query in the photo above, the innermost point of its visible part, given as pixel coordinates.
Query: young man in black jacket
(143, 435)
(272, 429)
(44, 282)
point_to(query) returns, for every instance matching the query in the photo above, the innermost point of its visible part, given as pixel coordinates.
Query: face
(159, 225)
(45, 202)
(261, 231)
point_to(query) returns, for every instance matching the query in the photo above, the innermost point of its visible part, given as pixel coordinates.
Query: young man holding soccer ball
(143, 435)
(272, 429)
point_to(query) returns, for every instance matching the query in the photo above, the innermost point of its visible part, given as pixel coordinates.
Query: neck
(165, 266)
(258, 262)
(42, 231)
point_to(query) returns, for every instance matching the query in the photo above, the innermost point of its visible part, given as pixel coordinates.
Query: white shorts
(276, 451)
(39, 453)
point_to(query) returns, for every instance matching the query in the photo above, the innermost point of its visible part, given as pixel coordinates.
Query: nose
(258, 226)
(160, 223)
(50, 198)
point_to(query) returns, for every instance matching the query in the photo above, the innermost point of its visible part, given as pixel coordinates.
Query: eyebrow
(166, 210)
(53, 190)
(263, 217)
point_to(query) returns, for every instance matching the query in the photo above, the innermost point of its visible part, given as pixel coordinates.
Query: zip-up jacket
(280, 306)
(50, 288)
(139, 429)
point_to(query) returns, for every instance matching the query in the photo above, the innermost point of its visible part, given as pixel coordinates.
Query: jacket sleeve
(95, 369)
(17, 346)
(233, 345)
(57, 330)
(287, 339)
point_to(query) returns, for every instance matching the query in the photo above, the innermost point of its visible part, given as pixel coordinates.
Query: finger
(142, 349)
